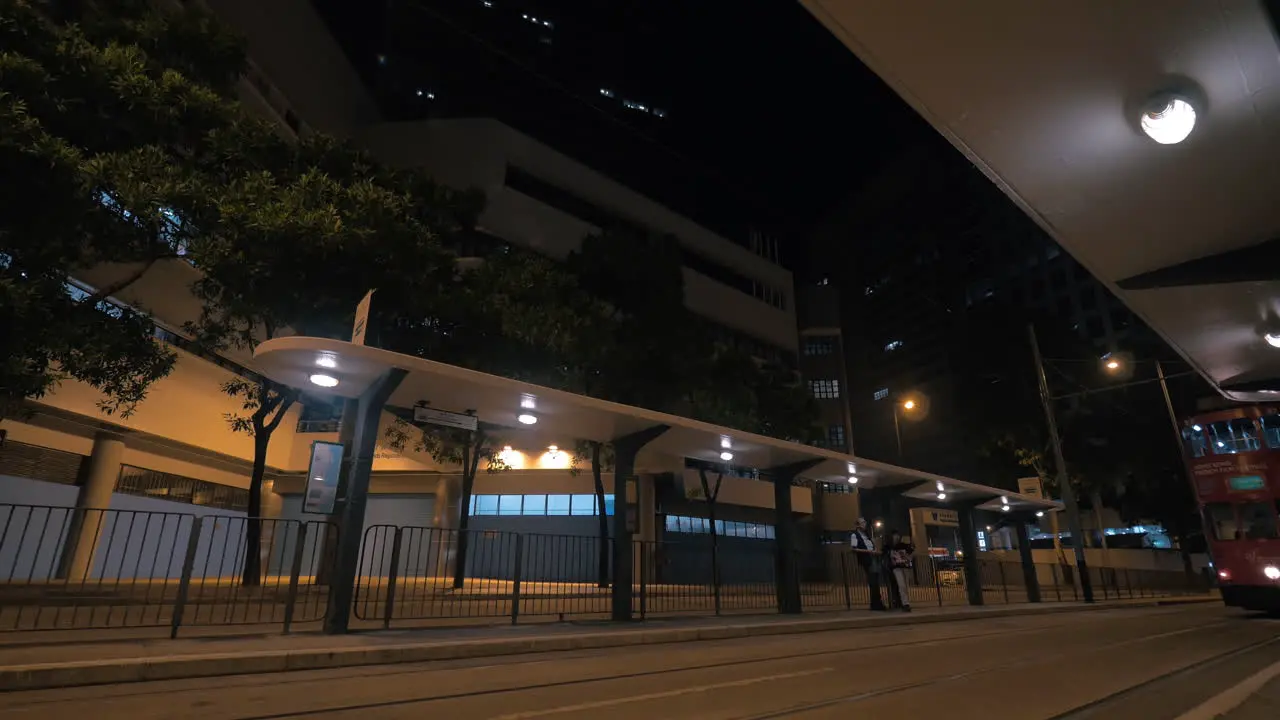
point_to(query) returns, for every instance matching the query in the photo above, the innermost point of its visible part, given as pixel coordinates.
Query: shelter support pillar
(969, 546)
(1028, 561)
(92, 502)
(787, 573)
(364, 441)
(625, 450)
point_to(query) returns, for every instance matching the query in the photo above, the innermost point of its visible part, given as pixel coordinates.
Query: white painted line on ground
(1231, 698)
(659, 695)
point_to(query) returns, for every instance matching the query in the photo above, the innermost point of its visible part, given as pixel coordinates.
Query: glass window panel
(1270, 430)
(509, 504)
(1220, 519)
(673, 523)
(1196, 441)
(583, 505)
(535, 505)
(486, 505)
(608, 505)
(1238, 435)
(720, 528)
(557, 504)
(1258, 521)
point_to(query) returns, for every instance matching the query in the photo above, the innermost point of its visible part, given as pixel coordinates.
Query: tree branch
(285, 401)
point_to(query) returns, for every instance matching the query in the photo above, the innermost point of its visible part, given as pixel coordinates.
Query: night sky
(769, 117)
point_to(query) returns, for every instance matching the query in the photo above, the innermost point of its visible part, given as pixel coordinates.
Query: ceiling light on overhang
(1169, 119)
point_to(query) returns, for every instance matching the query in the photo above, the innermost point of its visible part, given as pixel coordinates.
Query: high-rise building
(926, 247)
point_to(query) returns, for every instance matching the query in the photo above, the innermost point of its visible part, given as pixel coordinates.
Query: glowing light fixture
(325, 381)
(327, 360)
(1273, 339)
(1169, 120)
(1113, 364)
(527, 418)
(725, 442)
(941, 487)
(853, 469)
(1197, 428)
(1040, 513)
(1005, 508)
(726, 456)
(506, 448)
(909, 405)
(942, 496)
(853, 479)
(1272, 572)
(528, 402)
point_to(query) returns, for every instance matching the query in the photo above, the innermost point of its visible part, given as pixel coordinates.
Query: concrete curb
(175, 667)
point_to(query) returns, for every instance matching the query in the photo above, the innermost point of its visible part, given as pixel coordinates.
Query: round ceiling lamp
(1169, 119)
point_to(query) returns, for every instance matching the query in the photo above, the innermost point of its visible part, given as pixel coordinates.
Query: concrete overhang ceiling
(1046, 99)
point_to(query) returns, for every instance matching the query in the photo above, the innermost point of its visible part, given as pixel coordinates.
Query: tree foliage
(98, 107)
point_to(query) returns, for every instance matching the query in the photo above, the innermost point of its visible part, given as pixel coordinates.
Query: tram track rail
(739, 663)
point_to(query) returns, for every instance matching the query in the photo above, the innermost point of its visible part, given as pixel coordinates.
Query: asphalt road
(1148, 664)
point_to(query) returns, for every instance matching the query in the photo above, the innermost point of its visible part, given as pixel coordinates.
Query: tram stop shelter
(1139, 134)
(383, 380)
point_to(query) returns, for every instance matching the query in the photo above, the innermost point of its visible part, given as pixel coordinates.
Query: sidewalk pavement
(71, 664)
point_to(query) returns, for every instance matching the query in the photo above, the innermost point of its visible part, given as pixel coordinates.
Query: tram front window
(1228, 437)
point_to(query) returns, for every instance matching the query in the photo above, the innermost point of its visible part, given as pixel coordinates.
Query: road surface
(1173, 662)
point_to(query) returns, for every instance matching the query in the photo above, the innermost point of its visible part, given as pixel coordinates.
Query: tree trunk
(469, 466)
(711, 495)
(253, 524)
(603, 550)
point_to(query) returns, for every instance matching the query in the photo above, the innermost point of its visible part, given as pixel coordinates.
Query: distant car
(950, 574)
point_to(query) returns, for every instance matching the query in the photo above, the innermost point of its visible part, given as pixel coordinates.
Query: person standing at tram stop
(898, 552)
(864, 550)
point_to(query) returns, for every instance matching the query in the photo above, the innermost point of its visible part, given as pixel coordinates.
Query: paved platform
(1189, 662)
(68, 664)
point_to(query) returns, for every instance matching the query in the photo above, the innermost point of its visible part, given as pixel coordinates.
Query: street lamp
(909, 405)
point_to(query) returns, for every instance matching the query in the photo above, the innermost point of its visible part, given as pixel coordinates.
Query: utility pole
(1168, 403)
(897, 429)
(1064, 482)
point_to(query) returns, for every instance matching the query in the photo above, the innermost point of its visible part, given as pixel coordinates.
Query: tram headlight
(1272, 572)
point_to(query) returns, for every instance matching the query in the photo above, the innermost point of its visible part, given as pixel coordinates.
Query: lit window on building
(835, 436)
(825, 389)
(536, 21)
(606, 92)
(819, 345)
(881, 394)
(538, 505)
(892, 345)
(724, 528)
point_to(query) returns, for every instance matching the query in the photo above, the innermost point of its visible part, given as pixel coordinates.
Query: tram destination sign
(1246, 483)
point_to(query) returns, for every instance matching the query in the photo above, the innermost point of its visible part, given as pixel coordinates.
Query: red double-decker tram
(1234, 460)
